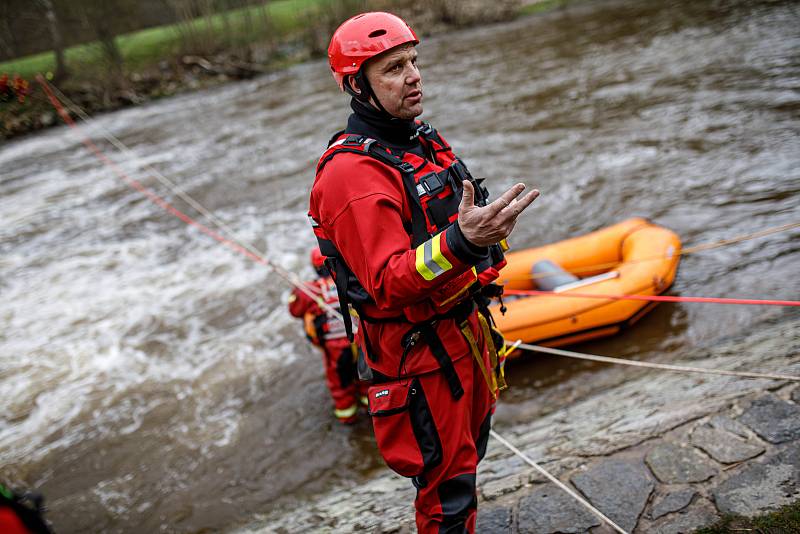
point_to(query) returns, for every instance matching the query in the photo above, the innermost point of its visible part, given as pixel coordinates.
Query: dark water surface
(151, 380)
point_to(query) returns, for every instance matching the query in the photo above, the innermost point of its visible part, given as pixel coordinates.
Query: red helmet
(317, 259)
(362, 37)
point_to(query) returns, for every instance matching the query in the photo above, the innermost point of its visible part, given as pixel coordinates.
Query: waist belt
(458, 312)
(426, 332)
(495, 344)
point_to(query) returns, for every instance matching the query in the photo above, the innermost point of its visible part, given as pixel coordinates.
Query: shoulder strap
(429, 133)
(359, 144)
(334, 137)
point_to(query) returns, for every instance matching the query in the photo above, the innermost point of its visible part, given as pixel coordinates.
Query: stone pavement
(743, 462)
(657, 452)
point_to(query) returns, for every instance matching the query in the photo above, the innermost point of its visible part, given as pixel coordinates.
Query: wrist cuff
(462, 249)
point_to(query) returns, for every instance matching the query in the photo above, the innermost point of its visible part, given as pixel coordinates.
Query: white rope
(555, 481)
(606, 359)
(662, 366)
(294, 280)
(231, 234)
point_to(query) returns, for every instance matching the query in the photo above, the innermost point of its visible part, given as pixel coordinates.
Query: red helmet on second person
(317, 259)
(362, 37)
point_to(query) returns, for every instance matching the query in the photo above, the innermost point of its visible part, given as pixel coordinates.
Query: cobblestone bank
(656, 452)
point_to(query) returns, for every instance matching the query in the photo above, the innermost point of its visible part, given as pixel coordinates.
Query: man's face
(396, 81)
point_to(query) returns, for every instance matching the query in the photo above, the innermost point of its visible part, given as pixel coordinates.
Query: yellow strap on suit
(494, 353)
(490, 382)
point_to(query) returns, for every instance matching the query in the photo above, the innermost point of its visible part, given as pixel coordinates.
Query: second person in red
(325, 330)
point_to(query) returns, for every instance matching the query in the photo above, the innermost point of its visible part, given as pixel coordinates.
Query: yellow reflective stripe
(430, 261)
(422, 268)
(437, 255)
(346, 412)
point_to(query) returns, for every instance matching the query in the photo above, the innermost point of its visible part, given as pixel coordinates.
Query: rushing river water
(151, 379)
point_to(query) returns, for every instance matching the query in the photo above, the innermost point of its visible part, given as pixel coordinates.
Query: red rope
(653, 298)
(159, 201)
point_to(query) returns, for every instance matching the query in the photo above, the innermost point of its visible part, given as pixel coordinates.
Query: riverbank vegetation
(111, 54)
(784, 520)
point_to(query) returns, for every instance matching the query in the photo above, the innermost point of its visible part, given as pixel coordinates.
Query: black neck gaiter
(379, 125)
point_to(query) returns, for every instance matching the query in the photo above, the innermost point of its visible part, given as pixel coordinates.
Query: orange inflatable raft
(634, 257)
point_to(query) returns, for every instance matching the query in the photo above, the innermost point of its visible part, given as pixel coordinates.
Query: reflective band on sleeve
(430, 261)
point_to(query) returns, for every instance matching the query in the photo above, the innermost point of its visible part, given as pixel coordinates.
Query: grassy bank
(782, 521)
(532, 7)
(165, 60)
(144, 48)
(214, 49)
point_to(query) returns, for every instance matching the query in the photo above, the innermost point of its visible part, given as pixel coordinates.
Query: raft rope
(653, 298)
(650, 365)
(555, 481)
(251, 252)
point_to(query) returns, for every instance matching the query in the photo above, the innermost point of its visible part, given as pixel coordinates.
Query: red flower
(21, 88)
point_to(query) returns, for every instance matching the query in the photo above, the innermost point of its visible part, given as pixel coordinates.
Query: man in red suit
(414, 246)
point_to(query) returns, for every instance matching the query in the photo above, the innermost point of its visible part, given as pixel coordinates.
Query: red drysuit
(327, 331)
(431, 418)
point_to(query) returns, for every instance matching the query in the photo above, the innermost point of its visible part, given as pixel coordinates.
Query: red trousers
(424, 433)
(342, 379)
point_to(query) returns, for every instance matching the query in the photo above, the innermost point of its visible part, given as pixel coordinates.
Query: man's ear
(351, 82)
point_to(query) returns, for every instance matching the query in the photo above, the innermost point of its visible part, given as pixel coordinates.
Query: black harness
(439, 212)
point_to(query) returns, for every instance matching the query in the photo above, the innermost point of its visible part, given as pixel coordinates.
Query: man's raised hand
(487, 225)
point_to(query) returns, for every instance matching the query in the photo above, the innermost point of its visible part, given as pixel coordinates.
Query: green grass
(146, 47)
(542, 6)
(782, 521)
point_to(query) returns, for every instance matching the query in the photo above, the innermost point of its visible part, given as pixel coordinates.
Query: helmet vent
(377, 33)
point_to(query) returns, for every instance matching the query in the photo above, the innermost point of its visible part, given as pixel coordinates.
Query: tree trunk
(265, 29)
(58, 42)
(227, 36)
(7, 50)
(111, 51)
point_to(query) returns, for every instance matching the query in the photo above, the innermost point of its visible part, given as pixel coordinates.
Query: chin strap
(366, 92)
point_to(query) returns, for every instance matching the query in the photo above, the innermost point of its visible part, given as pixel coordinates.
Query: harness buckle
(431, 184)
(460, 170)
(406, 168)
(424, 129)
(410, 339)
(355, 140)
